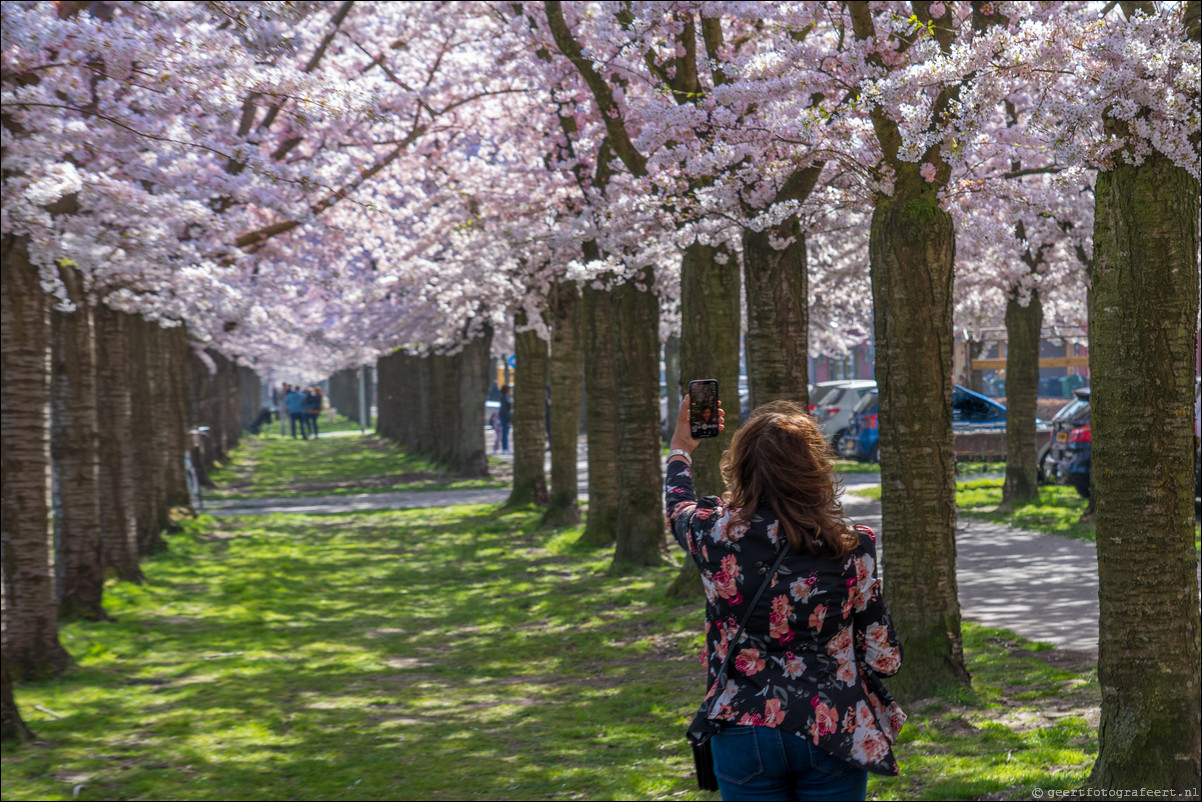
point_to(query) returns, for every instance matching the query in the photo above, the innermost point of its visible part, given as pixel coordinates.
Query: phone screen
(703, 408)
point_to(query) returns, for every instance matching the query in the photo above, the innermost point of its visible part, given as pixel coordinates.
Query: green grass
(450, 653)
(270, 466)
(852, 466)
(1057, 512)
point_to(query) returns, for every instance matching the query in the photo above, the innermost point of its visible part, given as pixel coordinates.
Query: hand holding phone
(704, 419)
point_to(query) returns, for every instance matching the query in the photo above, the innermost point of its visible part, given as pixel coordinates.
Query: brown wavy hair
(779, 456)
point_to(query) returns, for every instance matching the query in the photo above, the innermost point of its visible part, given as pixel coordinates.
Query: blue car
(973, 411)
(862, 441)
(970, 412)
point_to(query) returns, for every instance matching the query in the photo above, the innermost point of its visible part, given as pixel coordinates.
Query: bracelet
(680, 452)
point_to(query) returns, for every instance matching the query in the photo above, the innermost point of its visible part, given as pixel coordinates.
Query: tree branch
(615, 126)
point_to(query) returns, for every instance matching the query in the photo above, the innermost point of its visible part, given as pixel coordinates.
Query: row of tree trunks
(218, 399)
(434, 405)
(529, 415)
(566, 370)
(344, 394)
(399, 396)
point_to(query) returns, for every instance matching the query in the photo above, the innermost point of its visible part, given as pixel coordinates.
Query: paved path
(1043, 587)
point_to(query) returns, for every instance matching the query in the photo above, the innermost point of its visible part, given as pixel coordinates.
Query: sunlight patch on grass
(270, 466)
(362, 655)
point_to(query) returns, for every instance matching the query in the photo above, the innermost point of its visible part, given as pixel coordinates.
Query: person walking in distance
(312, 411)
(506, 416)
(795, 708)
(295, 401)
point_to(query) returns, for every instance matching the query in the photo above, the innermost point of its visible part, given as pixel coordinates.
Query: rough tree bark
(709, 349)
(146, 495)
(118, 522)
(471, 455)
(601, 389)
(529, 436)
(565, 366)
(641, 527)
(1023, 324)
(777, 315)
(31, 644)
(1143, 331)
(911, 251)
(75, 458)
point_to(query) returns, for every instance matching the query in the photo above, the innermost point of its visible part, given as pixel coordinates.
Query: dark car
(1066, 460)
(970, 412)
(862, 440)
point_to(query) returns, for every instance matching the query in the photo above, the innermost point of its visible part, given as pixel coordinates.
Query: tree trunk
(709, 349)
(641, 527)
(601, 392)
(1023, 324)
(564, 307)
(118, 522)
(31, 645)
(911, 252)
(672, 383)
(175, 415)
(141, 387)
(388, 387)
(445, 406)
(75, 458)
(1143, 334)
(12, 727)
(777, 315)
(250, 392)
(529, 427)
(471, 456)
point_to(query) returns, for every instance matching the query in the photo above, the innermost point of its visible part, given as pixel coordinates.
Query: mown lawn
(454, 653)
(270, 466)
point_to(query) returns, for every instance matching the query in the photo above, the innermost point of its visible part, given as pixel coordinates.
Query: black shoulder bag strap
(733, 642)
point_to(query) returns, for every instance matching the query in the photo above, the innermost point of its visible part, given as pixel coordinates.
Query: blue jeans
(765, 763)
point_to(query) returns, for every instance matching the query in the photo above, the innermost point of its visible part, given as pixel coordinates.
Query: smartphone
(703, 408)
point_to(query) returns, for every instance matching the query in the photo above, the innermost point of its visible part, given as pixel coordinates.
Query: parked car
(1066, 460)
(862, 440)
(970, 412)
(834, 408)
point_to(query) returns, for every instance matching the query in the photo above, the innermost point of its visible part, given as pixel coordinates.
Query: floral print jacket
(811, 657)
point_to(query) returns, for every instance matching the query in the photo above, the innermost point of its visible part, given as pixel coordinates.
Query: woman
(803, 713)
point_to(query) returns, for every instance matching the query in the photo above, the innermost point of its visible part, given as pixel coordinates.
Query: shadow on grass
(455, 653)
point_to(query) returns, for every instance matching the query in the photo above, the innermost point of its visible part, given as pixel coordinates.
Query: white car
(833, 402)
